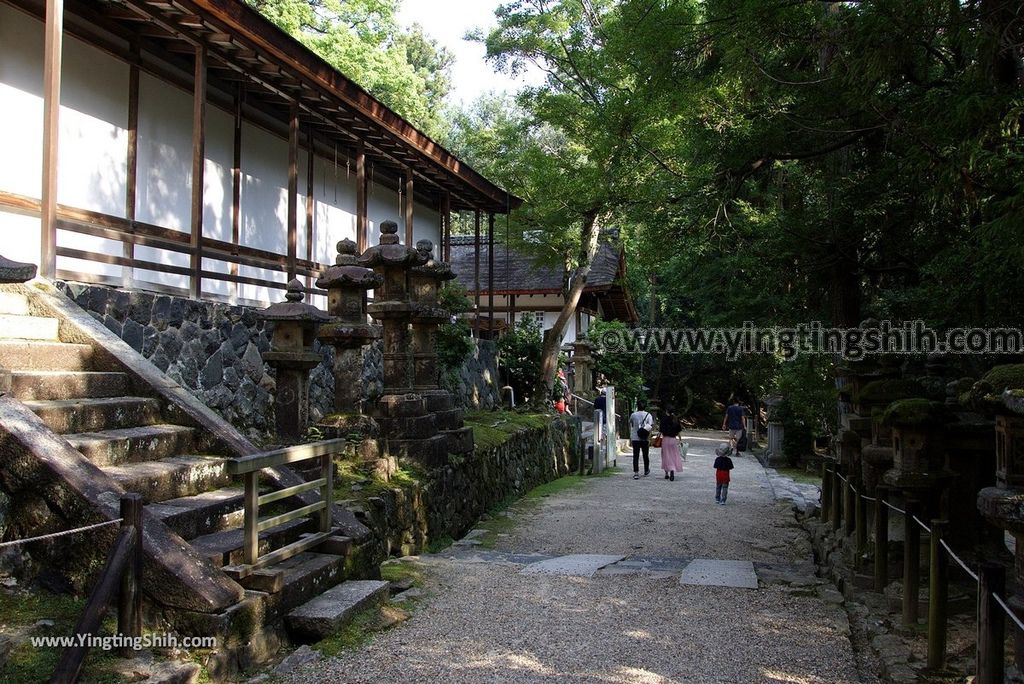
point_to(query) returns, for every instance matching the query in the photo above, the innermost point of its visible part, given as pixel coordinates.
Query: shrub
(519, 355)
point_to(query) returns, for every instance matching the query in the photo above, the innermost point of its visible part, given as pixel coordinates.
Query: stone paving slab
(720, 573)
(574, 565)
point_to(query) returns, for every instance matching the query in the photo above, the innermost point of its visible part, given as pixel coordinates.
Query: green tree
(407, 70)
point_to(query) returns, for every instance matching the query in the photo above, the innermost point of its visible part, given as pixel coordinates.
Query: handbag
(656, 442)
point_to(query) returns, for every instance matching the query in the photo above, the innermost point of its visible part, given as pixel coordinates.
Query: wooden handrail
(249, 468)
(279, 457)
(122, 572)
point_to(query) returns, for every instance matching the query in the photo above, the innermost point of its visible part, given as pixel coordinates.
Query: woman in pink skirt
(671, 454)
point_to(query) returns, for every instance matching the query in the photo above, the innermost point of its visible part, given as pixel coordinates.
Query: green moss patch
(1006, 377)
(493, 428)
(887, 391)
(916, 413)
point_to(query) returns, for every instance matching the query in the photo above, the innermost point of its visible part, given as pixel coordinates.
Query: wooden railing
(138, 233)
(123, 573)
(249, 468)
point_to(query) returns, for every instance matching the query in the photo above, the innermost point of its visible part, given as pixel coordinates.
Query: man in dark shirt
(601, 403)
(733, 422)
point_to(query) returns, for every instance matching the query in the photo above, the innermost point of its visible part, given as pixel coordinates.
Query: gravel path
(485, 622)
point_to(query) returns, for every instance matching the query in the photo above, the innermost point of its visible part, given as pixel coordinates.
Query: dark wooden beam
(293, 188)
(490, 269)
(476, 271)
(53, 46)
(310, 204)
(132, 172)
(236, 185)
(409, 205)
(362, 219)
(198, 166)
(445, 251)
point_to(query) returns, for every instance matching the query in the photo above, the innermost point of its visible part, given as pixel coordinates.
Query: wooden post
(911, 564)
(410, 240)
(327, 491)
(132, 166)
(938, 595)
(236, 187)
(476, 272)
(53, 46)
(881, 538)
(362, 219)
(310, 201)
(849, 502)
(991, 625)
(826, 491)
(446, 226)
(490, 269)
(129, 601)
(293, 188)
(251, 512)
(860, 525)
(837, 498)
(198, 169)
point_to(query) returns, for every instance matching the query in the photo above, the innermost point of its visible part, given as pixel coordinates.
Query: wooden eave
(248, 52)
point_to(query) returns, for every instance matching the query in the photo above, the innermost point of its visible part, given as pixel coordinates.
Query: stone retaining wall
(447, 502)
(214, 350)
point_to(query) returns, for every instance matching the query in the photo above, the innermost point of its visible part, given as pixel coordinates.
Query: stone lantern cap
(15, 271)
(293, 308)
(431, 267)
(390, 251)
(917, 413)
(348, 272)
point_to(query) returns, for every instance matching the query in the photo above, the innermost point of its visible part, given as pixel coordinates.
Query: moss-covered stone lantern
(349, 330)
(292, 355)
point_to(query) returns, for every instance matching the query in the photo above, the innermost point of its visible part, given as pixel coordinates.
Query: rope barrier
(895, 508)
(868, 498)
(1006, 609)
(63, 533)
(958, 560)
(923, 526)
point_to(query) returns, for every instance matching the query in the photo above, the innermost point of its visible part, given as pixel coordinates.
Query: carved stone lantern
(348, 332)
(292, 355)
(918, 442)
(583, 365)
(1010, 442)
(425, 282)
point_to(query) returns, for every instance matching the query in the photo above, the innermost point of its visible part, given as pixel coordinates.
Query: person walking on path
(640, 424)
(723, 464)
(671, 455)
(733, 422)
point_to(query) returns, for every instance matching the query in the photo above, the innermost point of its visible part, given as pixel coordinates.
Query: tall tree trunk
(553, 337)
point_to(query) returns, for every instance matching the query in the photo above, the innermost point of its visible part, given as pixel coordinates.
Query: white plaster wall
(21, 104)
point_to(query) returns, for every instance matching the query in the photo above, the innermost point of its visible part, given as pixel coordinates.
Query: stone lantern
(1010, 442)
(918, 444)
(292, 355)
(424, 283)
(583, 364)
(348, 332)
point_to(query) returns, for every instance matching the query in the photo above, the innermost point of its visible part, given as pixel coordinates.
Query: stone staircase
(148, 445)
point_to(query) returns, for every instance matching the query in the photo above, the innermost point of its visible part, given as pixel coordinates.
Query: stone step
(13, 304)
(328, 612)
(171, 478)
(28, 328)
(148, 443)
(65, 416)
(194, 516)
(305, 576)
(33, 384)
(225, 547)
(35, 355)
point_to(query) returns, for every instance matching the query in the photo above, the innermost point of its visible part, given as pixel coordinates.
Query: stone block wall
(214, 351)
(447, 502)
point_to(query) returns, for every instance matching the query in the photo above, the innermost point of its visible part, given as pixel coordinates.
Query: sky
(447, 21)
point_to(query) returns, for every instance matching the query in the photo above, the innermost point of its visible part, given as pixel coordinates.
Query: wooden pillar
(132, 171)
(826, 491)
(836, 516)
(938, 595)
(911, 563)
(129, 600)
(989, 659)
(849, 502)
(198, 166)
(362, 219)
(53, 45)
(860, 527)
(511, 298)
(293, 188)
(490, 269)
(236, 187)
(881, 538)
(310, 204)
(408, 208)
(446, 226)
(476, 270)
